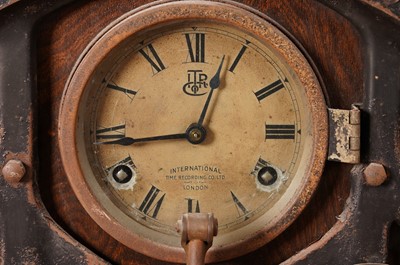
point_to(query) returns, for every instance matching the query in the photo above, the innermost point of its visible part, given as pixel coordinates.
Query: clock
(193, 106)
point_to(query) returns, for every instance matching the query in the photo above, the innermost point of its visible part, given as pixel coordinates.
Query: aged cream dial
(195, 115)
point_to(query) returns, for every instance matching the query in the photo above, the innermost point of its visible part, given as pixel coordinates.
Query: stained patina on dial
(196, 115)
(235, 161)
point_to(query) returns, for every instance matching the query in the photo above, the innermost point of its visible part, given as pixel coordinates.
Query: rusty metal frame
(361, 233)
(28, 235)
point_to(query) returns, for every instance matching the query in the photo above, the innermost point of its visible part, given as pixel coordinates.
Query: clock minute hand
(129, 140)
(214, 84)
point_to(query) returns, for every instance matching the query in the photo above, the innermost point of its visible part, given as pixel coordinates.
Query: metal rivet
(375, 174)
(13, 171)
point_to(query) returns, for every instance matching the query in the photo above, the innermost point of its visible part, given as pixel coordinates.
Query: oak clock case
(193, 106)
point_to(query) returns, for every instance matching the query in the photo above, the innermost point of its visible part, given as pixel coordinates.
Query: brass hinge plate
(344, 135)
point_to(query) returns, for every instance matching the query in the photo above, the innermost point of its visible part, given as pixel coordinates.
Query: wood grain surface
(329, 39)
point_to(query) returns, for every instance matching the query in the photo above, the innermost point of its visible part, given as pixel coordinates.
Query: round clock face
(182, 114)
(255, 128)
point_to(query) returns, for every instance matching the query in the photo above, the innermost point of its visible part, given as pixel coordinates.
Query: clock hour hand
(129, 140)
(214, 84)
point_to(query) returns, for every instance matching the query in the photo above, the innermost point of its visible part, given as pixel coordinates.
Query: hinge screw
(375, 174)
(13, 171)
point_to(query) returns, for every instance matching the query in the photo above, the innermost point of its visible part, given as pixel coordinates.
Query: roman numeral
(196, 53)
(239, 206)
(269, 90)
(127, 92)
(238, 57)
(193, 205)
(115, 132)
(149, 206)
(280, 131)
(152, 57)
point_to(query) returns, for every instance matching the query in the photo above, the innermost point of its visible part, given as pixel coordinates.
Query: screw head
(375, 174)
(13, 171)
(196, 133)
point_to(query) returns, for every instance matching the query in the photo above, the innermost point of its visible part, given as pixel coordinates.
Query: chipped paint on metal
(344, 135)
(389, 7)
(5, 3)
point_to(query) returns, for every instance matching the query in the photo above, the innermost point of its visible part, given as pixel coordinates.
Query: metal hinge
(344, 135)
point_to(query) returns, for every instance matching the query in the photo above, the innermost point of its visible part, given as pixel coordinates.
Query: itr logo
(196, 80)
